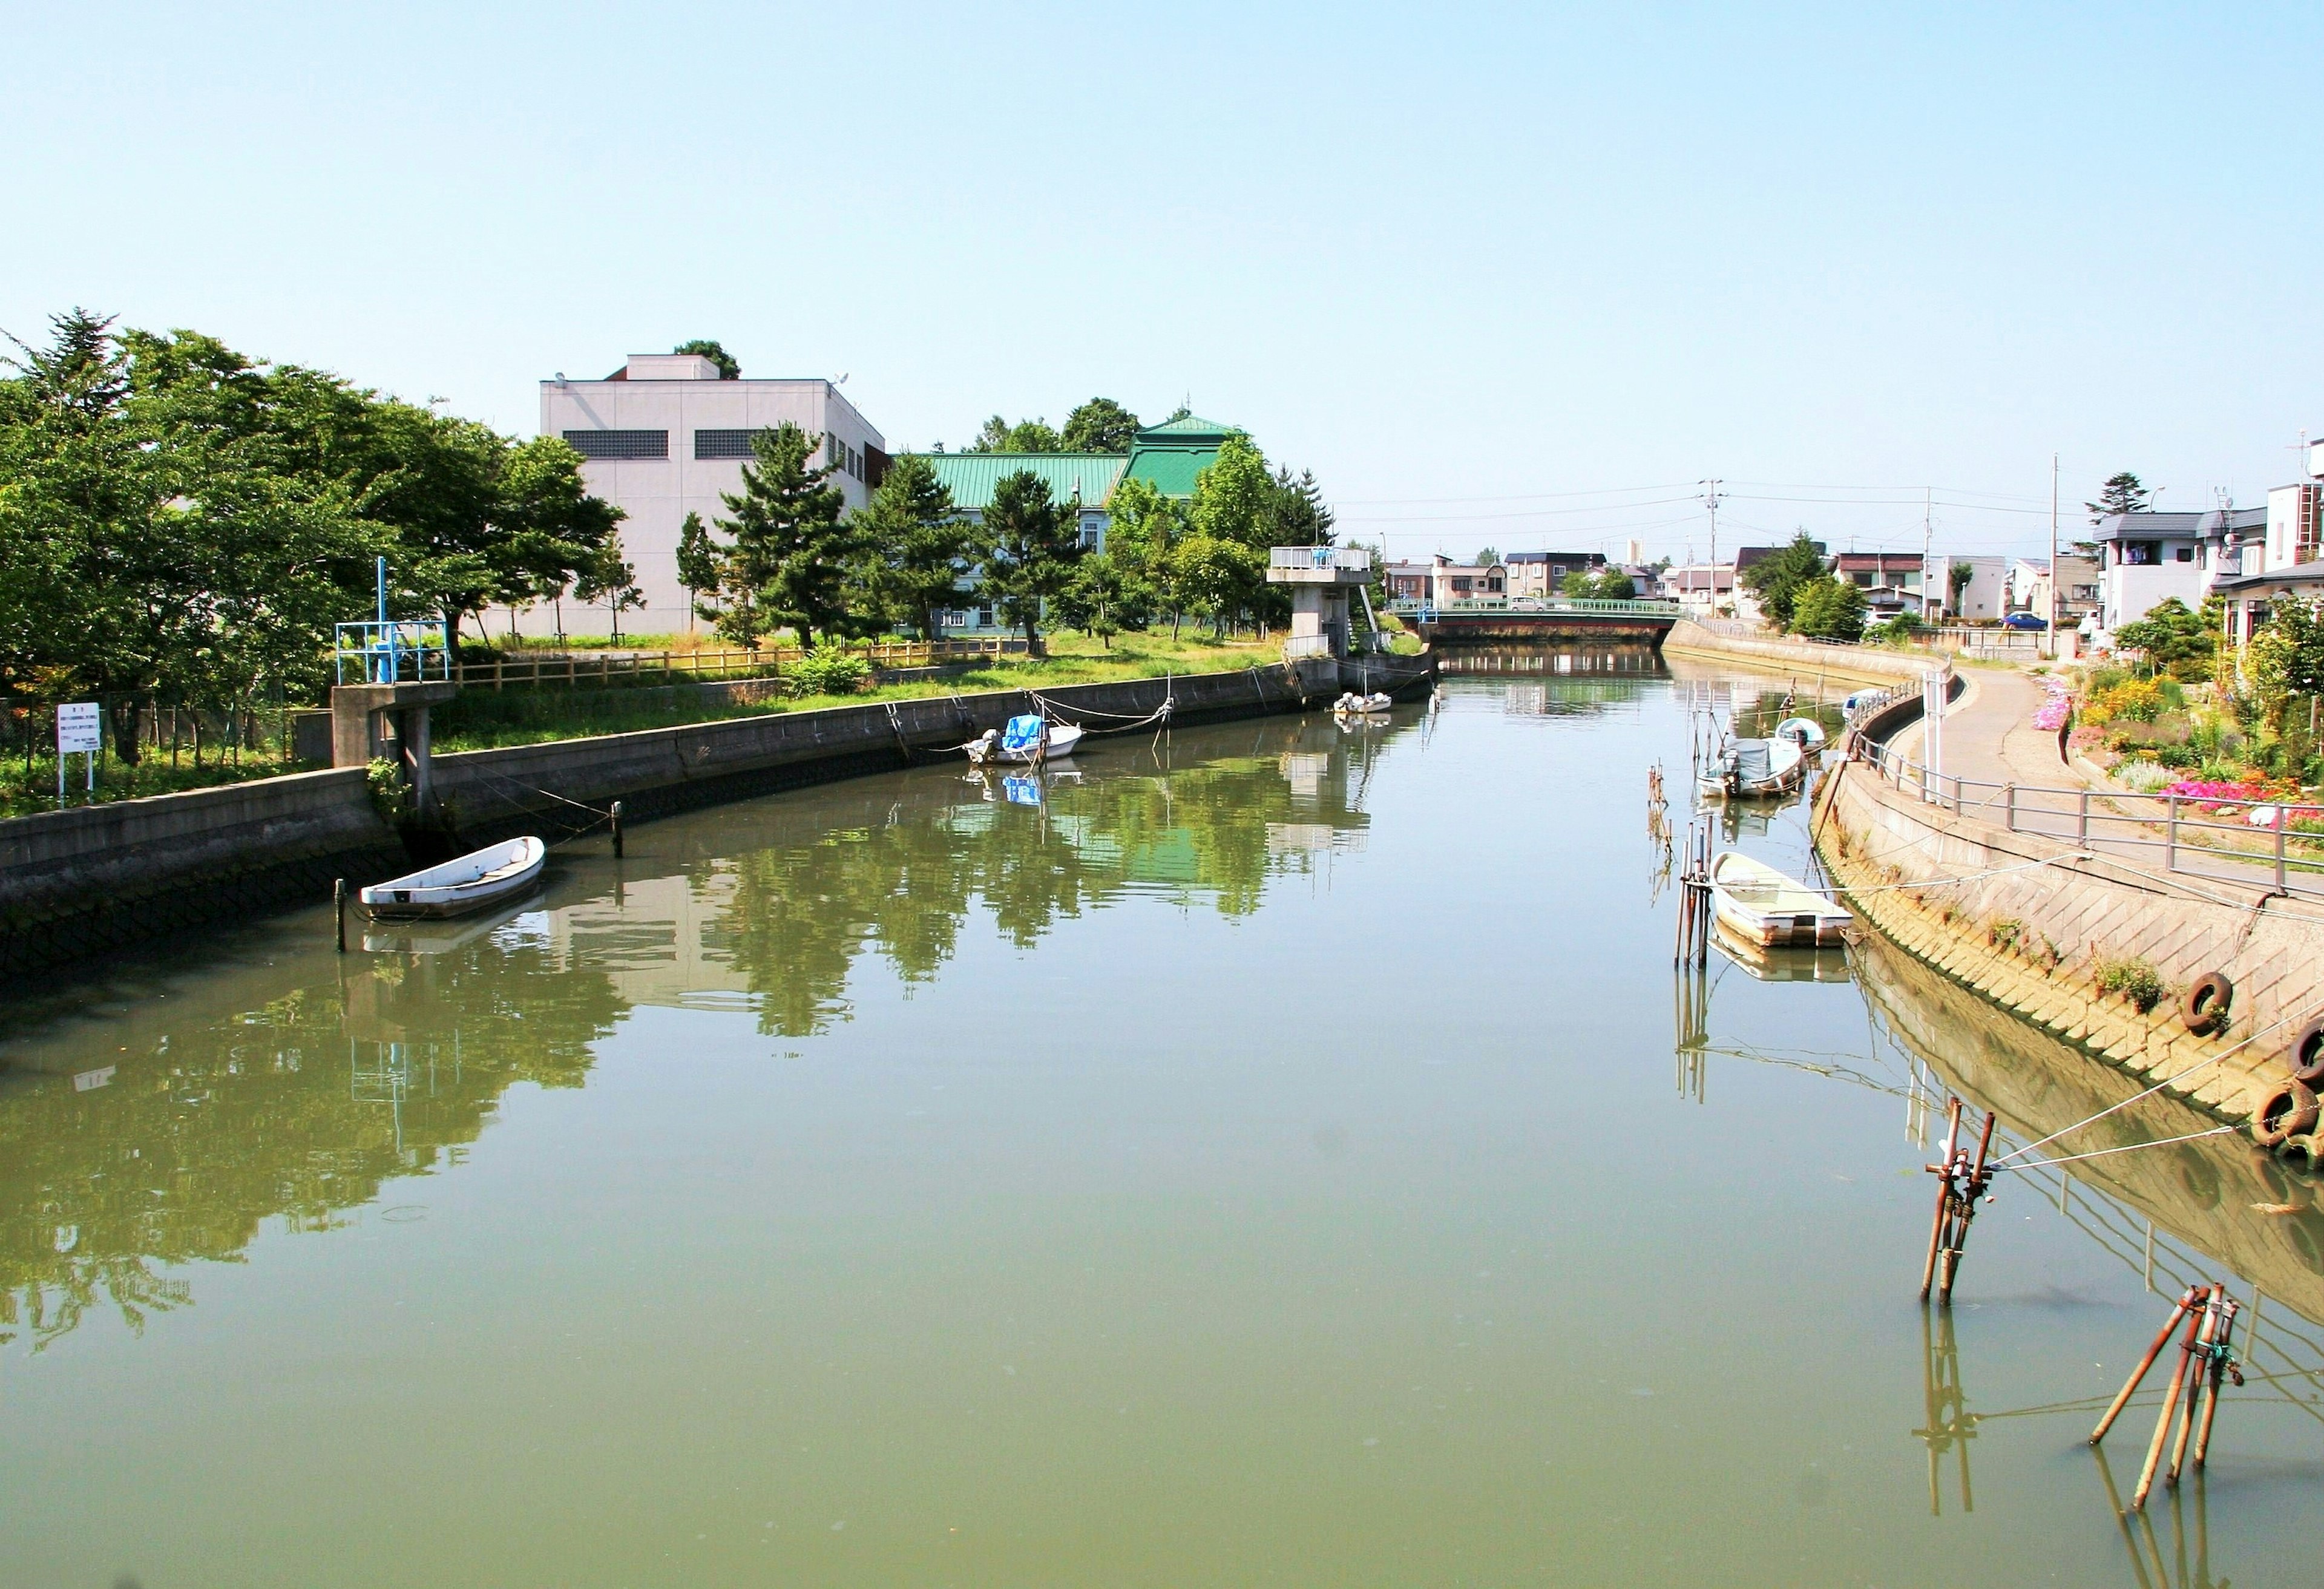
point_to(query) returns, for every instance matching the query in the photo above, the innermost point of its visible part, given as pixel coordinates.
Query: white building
(1983, 599)
(664, 437)
(2147, 558)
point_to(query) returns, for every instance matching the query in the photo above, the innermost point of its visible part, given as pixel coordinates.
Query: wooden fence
(554, 668)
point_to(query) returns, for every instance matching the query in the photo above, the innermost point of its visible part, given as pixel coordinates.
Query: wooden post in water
(339, 909)
(2206, 1331)
(615, 813)
(1944, 1198)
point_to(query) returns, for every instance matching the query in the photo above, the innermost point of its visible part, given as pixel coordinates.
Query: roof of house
(1699, 579)
(1172, 455)
(972, 476)
(1513, 558)
(1187, 427)
(1879, 560)
(2116, 526)
(2299, 574)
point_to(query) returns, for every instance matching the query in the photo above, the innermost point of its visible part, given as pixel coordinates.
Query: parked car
(2025, 620)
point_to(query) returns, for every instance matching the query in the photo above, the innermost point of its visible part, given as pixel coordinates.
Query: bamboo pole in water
(2162, 1423)
(2130, 1386)
(1944, 1198)
(2227, 1336)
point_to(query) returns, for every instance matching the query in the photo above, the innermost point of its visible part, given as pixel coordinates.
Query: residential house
(1983, 598)
(1892, 581)
(1441, 580)
(1701, 588)
(2147, 558)
(1541, 574)
(2078, 595)
(2288, 562)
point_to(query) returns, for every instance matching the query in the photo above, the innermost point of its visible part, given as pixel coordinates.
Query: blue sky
(1516, 276)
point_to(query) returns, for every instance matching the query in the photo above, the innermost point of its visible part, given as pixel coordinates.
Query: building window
(722, 444)
(2186, 554)
(618, 444)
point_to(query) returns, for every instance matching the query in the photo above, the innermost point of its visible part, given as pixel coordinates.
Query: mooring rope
(2158, 1086)
(2102, 1152)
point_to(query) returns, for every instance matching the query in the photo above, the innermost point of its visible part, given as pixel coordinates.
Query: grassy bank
(485, 720)
(25, 790)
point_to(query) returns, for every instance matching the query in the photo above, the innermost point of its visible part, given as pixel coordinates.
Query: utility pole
(2056, 572)
(1928, 512)
(1710, 500)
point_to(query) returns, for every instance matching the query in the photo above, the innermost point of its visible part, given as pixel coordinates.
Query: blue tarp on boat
(1021, 734)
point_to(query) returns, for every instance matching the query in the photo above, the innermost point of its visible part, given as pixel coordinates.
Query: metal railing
(1426, 610)
(1356, 558)
(398, 651)
(2184, 831)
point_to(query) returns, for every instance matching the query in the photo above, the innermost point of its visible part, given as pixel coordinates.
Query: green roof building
(1170, 457)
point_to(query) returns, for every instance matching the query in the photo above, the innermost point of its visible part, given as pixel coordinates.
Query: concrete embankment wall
(2022, 920)
(1859, 665)
(74, 883)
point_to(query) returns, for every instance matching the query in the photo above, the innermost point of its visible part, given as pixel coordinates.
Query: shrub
(828, 670)
(390, 796)
(2178, 758)
(2142, 777)
(2135, 979)
(2006, 933)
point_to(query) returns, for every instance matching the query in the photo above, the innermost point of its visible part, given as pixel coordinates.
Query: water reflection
(201, 1118)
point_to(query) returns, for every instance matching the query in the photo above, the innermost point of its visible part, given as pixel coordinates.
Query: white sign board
(78, 732)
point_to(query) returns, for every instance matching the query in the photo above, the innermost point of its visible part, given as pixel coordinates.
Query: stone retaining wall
(74, 883)
(1863, 664)
(2020, 919)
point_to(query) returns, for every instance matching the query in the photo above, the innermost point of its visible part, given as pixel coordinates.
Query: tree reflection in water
(298, 1087)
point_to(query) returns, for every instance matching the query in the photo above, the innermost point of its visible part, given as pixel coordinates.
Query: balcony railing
(401, 651)
(1426, 610)
(1355, 558)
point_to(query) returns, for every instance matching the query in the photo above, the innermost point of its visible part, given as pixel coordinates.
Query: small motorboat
(1754, 769)
(1355, 705)
(1761, 906)
(1804, 731)
(1027, 740)
(481, 877)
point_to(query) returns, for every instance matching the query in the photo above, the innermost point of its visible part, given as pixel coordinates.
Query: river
(1273, 1152)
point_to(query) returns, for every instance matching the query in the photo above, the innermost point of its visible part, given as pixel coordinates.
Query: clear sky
(1519, 277)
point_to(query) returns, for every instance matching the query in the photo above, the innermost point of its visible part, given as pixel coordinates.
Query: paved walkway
(1989, 738)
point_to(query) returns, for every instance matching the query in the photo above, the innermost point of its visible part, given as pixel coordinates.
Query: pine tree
(1777, 581)
(2124, 493)
(1029, 545)
(787, 564)
(916, 544)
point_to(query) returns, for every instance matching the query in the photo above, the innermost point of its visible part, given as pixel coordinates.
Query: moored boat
(1754, 768)
(1027, 741)
(1355, 705)
(455, 887)
(1804, 731)
(1759, 904)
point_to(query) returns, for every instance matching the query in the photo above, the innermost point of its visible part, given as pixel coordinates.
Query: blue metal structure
(392, 651)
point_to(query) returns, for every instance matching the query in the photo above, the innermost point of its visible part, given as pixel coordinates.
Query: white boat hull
(455, 887)
(1761, 906)
(1063, 737)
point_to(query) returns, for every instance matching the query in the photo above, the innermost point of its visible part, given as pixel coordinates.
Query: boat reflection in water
(297, 1084)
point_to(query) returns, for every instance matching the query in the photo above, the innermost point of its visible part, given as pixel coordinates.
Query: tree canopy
(1099, 425)
(1028, 545)
(179, 520)
(1027, 436)
(2122, 493)
(2176, 638)
(1777, 581)
(729, 367)
(916, 544)
(787, 562)
(1828, 608)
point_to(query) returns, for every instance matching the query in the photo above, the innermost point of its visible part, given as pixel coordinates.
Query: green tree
(787, 564)
(551, 533)
(1222, 564)
(729, 367)
(699, 566)
(1776, 581)
(1297, 514)
(1829, 608)
(916, 543)
(612, 579)
(2176, 639)
(1027, 436)
(1598, 585)
(1028, 545)
(1144, 530)
(1486, 557)
(2122, 493)
(1957, 580)
(1104, 598)
(1099, 425)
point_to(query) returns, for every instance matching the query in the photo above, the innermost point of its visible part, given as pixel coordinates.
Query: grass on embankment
(485, 720)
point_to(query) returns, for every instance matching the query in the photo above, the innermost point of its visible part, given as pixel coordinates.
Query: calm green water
(1280, 1155)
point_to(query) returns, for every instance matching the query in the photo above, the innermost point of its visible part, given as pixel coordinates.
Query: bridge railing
(1542, 606)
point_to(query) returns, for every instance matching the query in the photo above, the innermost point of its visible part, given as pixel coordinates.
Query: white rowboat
(455, 887)
(1804, 731)
(1760, 905)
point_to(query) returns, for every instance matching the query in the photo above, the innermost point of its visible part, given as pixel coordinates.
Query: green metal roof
(1188, 428)
(1171, 469)
(972, 476)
